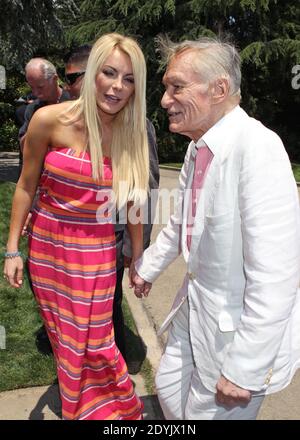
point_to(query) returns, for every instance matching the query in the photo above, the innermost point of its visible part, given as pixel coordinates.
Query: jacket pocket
(219, 220)
(229, 319)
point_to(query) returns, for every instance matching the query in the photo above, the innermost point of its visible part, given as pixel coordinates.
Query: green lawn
(296, 170)
(21, 364)
(295, 167)
(173, 164)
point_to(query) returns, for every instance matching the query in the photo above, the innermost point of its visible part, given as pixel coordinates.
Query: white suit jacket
(243, 266)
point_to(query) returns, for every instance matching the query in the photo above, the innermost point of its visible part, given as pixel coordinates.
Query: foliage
(15, 88)
(266, 31)
(29, 28)
(9, 136)
(296, 170)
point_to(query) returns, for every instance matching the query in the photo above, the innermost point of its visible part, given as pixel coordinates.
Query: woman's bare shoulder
(48, 116)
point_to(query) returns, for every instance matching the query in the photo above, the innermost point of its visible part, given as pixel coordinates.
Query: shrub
(9, 136)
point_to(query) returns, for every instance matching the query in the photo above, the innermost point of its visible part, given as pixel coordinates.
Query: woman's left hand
(13, 271)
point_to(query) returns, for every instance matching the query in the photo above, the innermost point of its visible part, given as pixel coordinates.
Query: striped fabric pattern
(72, 264)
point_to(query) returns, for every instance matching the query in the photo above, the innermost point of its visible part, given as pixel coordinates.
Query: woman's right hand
(13, 271)
(25, 227)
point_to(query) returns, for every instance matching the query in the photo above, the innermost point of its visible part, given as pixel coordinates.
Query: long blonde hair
(129, 148)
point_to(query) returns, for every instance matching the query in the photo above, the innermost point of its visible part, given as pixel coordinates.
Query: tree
(27, 28)
(30, 27)
(266, 31)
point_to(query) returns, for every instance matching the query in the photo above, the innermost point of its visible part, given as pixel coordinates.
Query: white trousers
(181, 393)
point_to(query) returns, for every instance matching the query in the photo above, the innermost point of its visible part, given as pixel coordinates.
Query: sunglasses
(72, 77)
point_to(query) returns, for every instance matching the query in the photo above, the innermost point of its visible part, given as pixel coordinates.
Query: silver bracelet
(12, 254)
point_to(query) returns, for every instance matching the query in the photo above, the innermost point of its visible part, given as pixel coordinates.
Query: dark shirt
(33, 107)
(122, 235)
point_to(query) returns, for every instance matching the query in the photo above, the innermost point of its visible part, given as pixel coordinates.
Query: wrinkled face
(114, 83)
(42, 88)
(74, 83)
(186, 98)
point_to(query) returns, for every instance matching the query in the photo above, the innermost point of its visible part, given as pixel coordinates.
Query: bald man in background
(42, 78)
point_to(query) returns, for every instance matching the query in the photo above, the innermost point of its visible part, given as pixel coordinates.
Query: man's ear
(219, 90)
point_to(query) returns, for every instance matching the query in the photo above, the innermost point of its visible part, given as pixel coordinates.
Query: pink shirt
(203, 158)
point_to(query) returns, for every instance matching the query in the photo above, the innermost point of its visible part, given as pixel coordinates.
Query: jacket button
(268, 379)
(191, 276)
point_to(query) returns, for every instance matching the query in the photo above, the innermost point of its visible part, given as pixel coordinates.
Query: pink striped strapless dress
(72, 264)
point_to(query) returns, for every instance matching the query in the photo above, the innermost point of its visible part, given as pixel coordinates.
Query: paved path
(9, 166)
(43, 403)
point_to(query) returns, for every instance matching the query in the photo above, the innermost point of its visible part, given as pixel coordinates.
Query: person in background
(22, 103)
(75, 66)
(234, 326)
(75, 62)
(85, 150)
(42, 78)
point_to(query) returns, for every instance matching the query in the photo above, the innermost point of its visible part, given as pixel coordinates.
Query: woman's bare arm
(38, 138)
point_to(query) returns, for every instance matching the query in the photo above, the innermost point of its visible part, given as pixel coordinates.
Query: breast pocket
(220, 230)
(220, 220)
(217, 242)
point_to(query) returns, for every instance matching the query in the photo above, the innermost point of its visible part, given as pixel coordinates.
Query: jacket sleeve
(168, 243)
(269, 209)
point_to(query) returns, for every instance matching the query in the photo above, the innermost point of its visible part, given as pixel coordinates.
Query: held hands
(141, 287)
(230, 395)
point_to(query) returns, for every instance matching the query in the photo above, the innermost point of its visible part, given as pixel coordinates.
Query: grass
(173, 164)
(296, 171)
(21, 363)
(295, 167)
(136, 350)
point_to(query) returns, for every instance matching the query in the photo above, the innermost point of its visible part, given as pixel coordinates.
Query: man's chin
(173, 127)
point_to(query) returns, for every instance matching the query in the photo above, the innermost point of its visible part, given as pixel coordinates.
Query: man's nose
(165, 100)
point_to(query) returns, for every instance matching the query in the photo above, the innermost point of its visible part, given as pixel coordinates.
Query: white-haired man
(234, 328)
(42, 78)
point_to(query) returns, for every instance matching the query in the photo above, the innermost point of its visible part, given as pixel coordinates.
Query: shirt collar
(195, 146)
(221, 134)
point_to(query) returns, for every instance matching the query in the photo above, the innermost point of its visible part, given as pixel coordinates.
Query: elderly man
(42, 78)
(234, 328)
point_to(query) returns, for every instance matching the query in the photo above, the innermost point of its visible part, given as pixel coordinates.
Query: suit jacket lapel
(205, 202)
(185, 207)
(220, 139)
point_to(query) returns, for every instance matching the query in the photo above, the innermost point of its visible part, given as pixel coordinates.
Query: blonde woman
(83, 150)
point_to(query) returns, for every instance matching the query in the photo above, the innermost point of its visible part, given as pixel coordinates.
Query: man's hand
(141, 287)
(229, 394)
